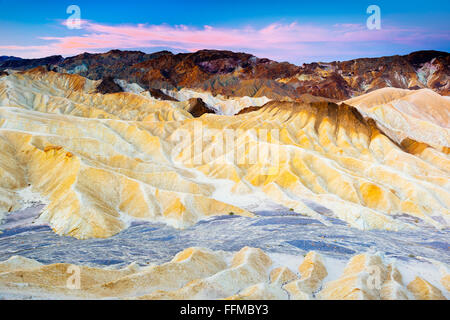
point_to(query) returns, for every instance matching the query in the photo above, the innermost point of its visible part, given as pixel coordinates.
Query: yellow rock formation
(249, 266)
(312, 271)
(99, 161)
(362, 279)
(446, 282)
(423, 290)
(268, 291)
(198, 273)
(422, 115)
(186, 266)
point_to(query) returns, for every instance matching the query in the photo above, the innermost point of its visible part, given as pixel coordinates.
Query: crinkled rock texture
(104, 140)
(229, 73)
(199, 273)
(102, 160)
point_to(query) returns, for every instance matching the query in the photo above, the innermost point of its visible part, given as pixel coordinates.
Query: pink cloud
(276, 40)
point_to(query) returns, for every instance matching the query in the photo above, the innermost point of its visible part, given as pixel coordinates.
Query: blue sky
(294, 31)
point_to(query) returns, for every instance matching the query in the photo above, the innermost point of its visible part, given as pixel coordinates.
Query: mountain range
(239, 74)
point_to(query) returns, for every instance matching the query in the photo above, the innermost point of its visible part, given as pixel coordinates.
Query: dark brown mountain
(158, 94)
(114, 63)
(8, 58)
(197, 107)
(223, 72)
(25, 64)
(107, 85)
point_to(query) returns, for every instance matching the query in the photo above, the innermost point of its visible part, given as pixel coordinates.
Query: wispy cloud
(281, 41)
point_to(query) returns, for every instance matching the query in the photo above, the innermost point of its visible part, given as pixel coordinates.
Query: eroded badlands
(99, 161)
(199, 273)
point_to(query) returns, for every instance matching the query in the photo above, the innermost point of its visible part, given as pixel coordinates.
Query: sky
(294, 31)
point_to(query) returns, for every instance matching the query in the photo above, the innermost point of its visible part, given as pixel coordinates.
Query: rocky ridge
(228, 73)
(199, 273)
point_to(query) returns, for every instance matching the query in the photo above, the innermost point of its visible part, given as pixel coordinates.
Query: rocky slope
(341, 80)
(420, 115)
(199, 273)
(239, 74)
(100, 161)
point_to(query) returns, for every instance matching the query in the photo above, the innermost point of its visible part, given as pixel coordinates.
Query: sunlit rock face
(420, 115)
(366, 277)
(199, 273)
(93, 178)
(102, 160)
(423, 290)
(312, 271)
